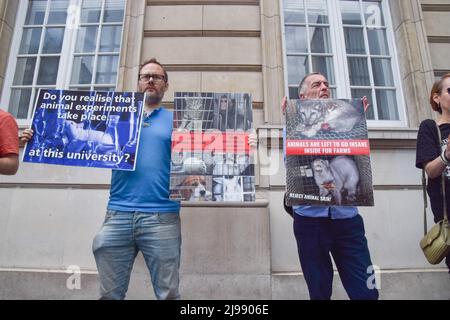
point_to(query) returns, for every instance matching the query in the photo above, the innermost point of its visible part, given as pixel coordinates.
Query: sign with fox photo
(211, 158)
(96, 129)
(327, 153)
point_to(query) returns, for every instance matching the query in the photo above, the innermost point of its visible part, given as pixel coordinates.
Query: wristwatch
(444, 158)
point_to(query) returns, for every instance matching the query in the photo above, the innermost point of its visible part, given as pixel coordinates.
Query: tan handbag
(436, 242)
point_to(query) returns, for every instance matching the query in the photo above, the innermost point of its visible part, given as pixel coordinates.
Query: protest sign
(211, 158)
(86, 128)
(327, 153)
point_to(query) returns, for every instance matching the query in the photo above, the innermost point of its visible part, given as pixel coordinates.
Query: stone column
(272, 61)
(273, 83)
(8, 9)
(133, 35)
(414, 58)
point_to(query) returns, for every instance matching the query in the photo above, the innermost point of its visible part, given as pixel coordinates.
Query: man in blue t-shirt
(339, 231)
(140, 216)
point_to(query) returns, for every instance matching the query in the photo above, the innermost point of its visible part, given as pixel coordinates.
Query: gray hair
(302, 85)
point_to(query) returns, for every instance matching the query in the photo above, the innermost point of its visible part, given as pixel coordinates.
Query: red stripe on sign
(219, 142)
(327, 147)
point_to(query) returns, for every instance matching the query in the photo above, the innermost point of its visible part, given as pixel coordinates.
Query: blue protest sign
(86, 128)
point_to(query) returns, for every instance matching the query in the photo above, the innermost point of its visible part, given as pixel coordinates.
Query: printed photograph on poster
(211, 159)
(86, 128)
(327, 153)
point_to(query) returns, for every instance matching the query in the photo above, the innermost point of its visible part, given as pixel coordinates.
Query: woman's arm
(9, 164)
(435, 168)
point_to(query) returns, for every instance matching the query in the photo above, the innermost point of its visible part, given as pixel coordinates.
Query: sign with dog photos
(211, 158)
(86, 128)
(327, 153)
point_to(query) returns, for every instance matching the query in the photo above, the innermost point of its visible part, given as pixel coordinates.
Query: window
(308, 41)
(351, 43)
(64, 44)
(96, 57)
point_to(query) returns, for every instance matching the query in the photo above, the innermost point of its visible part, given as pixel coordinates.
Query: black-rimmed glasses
(155, 77)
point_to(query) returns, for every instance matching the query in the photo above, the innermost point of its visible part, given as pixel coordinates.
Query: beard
(153, 98)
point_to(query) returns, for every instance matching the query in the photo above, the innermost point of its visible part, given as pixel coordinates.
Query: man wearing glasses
(140, 216)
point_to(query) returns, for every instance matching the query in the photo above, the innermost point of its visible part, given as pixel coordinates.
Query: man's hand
(365, 102)
(26, 136)
(252, 139)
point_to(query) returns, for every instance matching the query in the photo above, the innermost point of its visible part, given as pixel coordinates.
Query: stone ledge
(23, 285)
(259, 203)
(405, 285)
(201, 2)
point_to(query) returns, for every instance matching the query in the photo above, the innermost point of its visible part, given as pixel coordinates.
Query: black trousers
(345, 240)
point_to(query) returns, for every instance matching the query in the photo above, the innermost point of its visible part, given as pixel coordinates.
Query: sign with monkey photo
(211, 159)
(327, 153)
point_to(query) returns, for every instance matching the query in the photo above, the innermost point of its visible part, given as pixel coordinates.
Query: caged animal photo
(337, 178)
(233, 112)
(196, 163)
(232, 188)
(194, 188)
(228, 189)
(208, 162)
(193, 111)
(337, 116)
(192, 115)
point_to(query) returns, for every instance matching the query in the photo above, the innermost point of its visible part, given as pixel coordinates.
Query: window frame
(67, 55)
(341, 68)
(310, 54)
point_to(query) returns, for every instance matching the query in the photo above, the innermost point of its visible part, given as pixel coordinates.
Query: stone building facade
(49, 215)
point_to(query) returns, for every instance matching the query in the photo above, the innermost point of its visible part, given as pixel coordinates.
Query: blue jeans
(122, 236)
(345, 240)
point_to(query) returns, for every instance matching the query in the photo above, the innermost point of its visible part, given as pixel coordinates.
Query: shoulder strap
(424, 180)
(425, 204)
(442, 180)
(444, 200)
